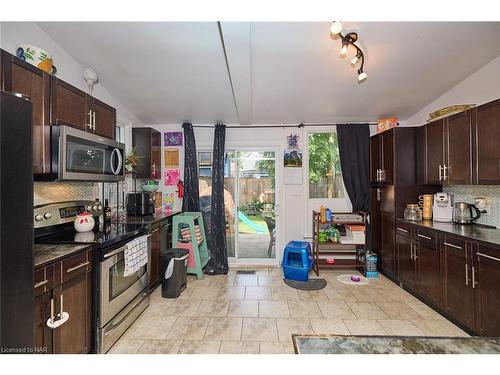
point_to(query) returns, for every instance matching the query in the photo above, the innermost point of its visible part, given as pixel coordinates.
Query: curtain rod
(279, 126)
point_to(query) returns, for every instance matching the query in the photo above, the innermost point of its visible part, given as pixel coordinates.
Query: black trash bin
(173, 278)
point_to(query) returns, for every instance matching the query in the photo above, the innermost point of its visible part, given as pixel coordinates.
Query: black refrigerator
(16, 222)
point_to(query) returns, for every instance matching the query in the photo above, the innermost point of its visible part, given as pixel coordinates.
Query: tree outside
(325, 173)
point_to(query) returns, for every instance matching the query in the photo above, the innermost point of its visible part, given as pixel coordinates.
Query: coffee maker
(442, 209)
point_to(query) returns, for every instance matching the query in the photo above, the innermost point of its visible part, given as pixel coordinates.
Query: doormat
(311, 284)
(245, 272)
(336, 344)
(346, 279)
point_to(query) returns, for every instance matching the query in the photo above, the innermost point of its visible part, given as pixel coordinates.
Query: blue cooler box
(297, 260)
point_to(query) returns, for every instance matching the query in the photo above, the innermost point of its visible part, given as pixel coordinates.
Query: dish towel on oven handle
(136, 255)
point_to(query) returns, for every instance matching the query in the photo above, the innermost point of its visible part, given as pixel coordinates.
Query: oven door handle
(117, 251)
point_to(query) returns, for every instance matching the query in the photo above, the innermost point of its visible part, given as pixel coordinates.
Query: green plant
(132, 160)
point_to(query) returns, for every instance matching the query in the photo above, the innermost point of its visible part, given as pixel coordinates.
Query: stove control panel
(63, 212)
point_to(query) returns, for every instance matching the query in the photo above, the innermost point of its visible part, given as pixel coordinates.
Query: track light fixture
(350, 39)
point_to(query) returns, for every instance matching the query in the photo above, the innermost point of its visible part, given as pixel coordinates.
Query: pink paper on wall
(172, 176)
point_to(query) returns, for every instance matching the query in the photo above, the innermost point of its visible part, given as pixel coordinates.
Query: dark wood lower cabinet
(155, 255)
(429, 271)
(486, 279)
(407, 267)
(70, 291)
(387, 244)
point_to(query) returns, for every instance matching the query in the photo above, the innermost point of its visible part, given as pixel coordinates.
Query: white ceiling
(281, 72)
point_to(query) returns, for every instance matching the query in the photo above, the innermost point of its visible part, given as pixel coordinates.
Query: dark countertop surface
(48, 253)
(471, 231)
(150, 219)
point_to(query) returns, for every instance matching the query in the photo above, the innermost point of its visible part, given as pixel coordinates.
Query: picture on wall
(171, 158)
(173, 138)
(172, 176)
(292, 158)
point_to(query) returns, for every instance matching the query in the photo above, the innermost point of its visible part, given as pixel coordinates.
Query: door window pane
(325, 175)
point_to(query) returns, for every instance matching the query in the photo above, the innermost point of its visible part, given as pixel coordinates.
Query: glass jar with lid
(412, 212)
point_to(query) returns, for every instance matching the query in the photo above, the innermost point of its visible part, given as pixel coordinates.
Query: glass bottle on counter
(107, 212)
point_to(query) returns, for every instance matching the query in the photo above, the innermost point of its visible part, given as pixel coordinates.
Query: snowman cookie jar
(84, 222)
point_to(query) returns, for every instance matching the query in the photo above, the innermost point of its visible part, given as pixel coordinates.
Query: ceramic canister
(425, 202)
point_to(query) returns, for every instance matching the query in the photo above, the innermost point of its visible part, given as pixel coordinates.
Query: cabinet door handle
(440, 173)
(415, 252)
(445, 174)
(402, 230)
(90, 119)
(473, 278)
(93, 120)
(77, 267)
(41, 283)
(426, 237)
(51, 310)
(466, 274)
(451, 245)
(488, 256)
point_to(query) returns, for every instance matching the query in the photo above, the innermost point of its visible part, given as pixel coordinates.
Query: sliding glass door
(250, 199)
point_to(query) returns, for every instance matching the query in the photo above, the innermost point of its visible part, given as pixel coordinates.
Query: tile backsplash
(467, 193)
(49, 192)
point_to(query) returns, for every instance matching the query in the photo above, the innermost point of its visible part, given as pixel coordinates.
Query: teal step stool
(200, 251)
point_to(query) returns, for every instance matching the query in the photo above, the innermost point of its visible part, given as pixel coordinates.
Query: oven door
(86, 156)
(117, 290)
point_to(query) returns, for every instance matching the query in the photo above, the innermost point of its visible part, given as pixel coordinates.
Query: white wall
(68, 69)
(480, 87)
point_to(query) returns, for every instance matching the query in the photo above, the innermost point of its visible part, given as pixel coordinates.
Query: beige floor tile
(312, 295)
(400, 328)
(205, 292)
(199, 347)
(398, 310)
(189, 328)
(364, 327)
(126, 346)
(339, 294)
(259, 329)
(257, 292)
(276, 347)
(245, 280)
(424, 311)
(160, 347)
(183, 307)
(329, 327)
(287, 327)
(304, 309)
(224, 329)
(222, 280)
(243, 309)
(213, 308)
(232, 292)
(270, 281)
(336, 309)
(363, 293)
(439, 328)
(274, 309)
(366, 310)
(193, 280)
(264, 271)
(152, 327)
(284, 293)
(239, 347)
(157, 307)
(275, 272)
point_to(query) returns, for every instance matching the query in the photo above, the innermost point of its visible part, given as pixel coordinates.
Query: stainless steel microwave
(82, 156)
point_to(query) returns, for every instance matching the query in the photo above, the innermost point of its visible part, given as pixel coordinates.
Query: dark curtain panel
(354, 152)
(217, 244)
(191, 199)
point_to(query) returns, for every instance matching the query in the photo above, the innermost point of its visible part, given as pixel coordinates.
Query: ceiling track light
(347, 40)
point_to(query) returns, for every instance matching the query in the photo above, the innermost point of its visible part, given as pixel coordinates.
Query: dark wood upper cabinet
(19, 76)
(104, 118)
(458, 149)
(382, 158)
(486, 141)
(69, 106)
(434, 152)
(148, 144)
(458, 294)
(487, 292)
(375, 158)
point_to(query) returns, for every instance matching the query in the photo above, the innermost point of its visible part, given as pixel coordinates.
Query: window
(120, 133)
(325, 175)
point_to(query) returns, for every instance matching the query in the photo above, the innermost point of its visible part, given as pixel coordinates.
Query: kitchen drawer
(75, 266)
(454, 242)
(426, 235)
(43, 279)
(404, 229)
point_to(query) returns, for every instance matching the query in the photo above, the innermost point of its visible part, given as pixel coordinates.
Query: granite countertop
(150, 219)
(472, 231)
(48, 253)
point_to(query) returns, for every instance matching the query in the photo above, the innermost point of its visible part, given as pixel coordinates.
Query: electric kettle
(462, 213)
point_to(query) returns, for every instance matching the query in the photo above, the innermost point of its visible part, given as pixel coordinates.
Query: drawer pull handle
(426, 237)
(41, 283)
(466, 274)
(451, 245)
(77, 267)
(488, 256)
(402, 230)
